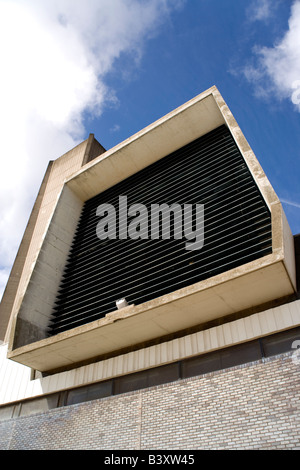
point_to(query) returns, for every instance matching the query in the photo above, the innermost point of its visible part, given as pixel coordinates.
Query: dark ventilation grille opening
(237, 229)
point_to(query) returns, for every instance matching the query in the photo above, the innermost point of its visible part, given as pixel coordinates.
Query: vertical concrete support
(57, 173)
(35, 312)
(16, 272)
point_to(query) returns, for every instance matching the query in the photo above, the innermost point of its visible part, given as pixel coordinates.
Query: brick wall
(253, 406)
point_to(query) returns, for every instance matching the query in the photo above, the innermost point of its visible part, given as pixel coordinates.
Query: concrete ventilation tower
(161, 342)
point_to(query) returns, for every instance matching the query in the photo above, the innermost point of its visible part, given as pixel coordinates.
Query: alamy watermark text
(133, 222)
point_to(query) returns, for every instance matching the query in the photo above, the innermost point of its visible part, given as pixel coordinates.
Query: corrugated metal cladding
(237, 229)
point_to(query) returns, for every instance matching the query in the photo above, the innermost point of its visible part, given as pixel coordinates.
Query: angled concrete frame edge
(114, 165)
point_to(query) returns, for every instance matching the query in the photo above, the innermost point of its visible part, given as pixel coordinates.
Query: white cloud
(260, 10)
(277, 72)
(55, 55)
(115, 128)
(291, 203)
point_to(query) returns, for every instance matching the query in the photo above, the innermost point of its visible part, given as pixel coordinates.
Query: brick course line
(253, 406)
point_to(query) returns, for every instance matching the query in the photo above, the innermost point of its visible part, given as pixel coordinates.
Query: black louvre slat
(80, 305)
(224, 201)
(155, 256)
(91, 297)
(185, 192)
(209, 171)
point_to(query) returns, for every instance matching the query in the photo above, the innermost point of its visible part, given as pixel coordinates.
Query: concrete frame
(253, 284)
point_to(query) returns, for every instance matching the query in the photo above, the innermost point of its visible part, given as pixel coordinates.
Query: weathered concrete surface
(270, 277)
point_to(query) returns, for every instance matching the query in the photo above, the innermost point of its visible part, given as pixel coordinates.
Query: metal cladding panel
(237, 229)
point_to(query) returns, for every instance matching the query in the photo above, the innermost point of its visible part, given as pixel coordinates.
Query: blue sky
(213, 43)
(111, 67)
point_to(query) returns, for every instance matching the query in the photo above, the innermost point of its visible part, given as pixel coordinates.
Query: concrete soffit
(247, 286)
